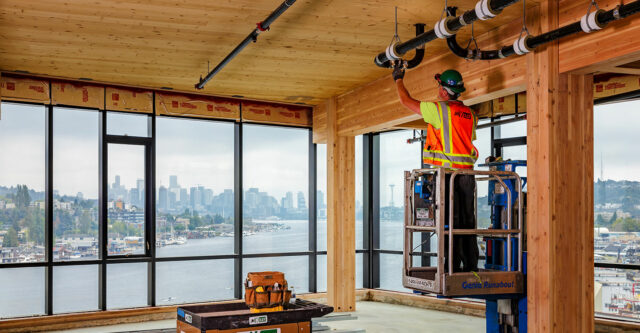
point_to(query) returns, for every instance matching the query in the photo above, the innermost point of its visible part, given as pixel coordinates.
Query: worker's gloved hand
(398, 72)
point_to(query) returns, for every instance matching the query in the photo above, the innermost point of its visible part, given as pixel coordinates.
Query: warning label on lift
(421, 284)
(259, 320)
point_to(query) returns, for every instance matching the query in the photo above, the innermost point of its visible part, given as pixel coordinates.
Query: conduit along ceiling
(315, 50)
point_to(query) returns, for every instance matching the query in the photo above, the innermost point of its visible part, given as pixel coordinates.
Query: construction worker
(451, 129)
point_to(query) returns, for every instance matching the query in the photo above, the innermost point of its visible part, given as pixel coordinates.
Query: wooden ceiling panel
(315, 50)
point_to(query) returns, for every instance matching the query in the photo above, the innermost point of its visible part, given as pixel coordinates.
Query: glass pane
(126, 285)
(130, 124)
(321, 272)
(195, 174)
(194, 281)
(126, 199)
(617, 294)
(75, 288)
(22, 171)
(483, 145)
(276, 183)
(516, 153)
(511, 130)
(359, 193)
(75, 183)
(21, 292)
(321, 198)
(396, 157)
(295, 269)
(391, 272)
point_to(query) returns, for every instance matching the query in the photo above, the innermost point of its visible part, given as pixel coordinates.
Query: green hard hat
(451, 79)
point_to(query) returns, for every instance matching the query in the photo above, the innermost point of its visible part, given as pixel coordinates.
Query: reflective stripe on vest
(444, 128)
(461, 158)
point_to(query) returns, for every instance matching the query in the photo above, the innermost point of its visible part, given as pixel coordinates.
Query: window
(195, 196)
(194, 281)
(75, 288)
(483, 144)
(126, 285)
(276, 187)
(321, 198)
(195, 167)
(21, 291)
(359, 194)
(396, 157)
(129, 124)
(616, 209)
(22, 178)
(510, 141)
(76, 154)
(126, 206)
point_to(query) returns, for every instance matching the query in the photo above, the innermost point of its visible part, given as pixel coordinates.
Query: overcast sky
(201, 152)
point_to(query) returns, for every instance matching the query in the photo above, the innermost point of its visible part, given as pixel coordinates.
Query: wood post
(560, 203)
(341, 252)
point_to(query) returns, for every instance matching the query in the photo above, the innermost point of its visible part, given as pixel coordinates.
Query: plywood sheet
(276, 114)
(132, 100)
(196, 106)
(24, 89)
(77, 94)
(616, 85)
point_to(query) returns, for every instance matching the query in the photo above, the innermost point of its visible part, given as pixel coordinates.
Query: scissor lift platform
(426, 214)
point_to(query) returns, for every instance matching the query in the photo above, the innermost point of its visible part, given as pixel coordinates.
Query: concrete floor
(374, 317)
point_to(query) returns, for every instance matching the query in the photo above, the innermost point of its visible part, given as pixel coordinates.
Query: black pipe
(504, 52)
(454, 25)
(535, 41)
(417, 58)
(252, 37)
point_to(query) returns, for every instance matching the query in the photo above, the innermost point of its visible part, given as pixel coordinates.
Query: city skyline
(612, 140)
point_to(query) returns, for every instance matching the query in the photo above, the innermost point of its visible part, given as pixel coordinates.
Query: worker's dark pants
(465, 247)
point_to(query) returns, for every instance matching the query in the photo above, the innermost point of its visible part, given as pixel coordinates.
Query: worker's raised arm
(405, 98)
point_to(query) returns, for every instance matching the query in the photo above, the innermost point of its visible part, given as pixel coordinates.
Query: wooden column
(341, 252)
(560, 202)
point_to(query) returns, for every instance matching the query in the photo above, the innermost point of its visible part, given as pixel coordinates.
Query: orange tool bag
(264, 290)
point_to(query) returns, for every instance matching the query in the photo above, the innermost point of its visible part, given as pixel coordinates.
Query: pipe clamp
(484, 11)
(616, 13)
(589, 22)
(442, 30)
(520, 45)
(391, 51)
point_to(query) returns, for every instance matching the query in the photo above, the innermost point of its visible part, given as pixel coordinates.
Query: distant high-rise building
(134, 197)
(173, 181)
(302, 203)
(163, 198)
(184, 197)
(207, 197)
(195, 197)
(80, 196)
(117, 182)
(288, 201)
(173, 200)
